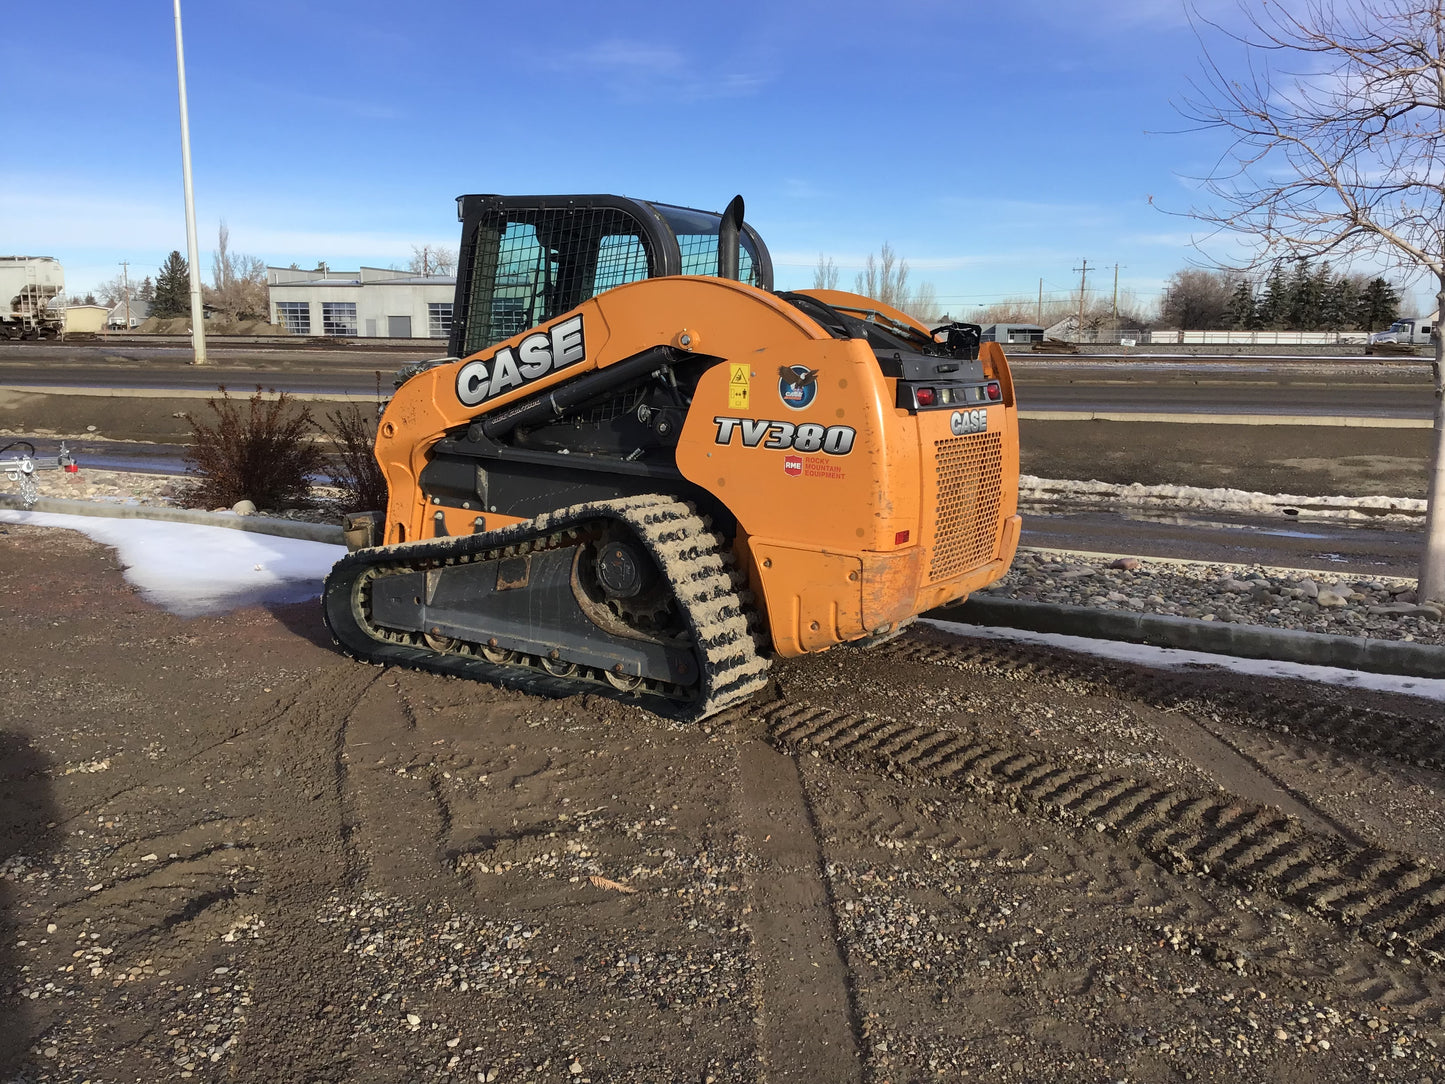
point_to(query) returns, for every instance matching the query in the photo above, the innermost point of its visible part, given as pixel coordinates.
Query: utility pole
(125, 278)
(1116, 297)
(1083, 279)
(198, 315)
(1039, 312)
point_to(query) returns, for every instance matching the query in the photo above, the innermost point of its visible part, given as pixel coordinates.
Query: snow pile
(1373, 509)
(192, 571)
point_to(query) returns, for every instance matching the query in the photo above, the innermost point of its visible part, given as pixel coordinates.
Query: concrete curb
(1326, 421)
(282, 528)
(1216, 637)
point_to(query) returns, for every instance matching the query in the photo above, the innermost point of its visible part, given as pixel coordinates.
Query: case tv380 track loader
(644, 473)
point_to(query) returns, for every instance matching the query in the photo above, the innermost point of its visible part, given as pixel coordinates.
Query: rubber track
(1392, 899)
(693, 559)
(1382, 733)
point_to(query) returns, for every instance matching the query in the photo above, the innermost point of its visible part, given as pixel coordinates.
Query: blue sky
(992, 145)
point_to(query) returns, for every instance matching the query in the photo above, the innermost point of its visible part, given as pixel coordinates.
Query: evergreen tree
(1271, 307)
(147, 291)
(1338, 307)
(1302, 310)
(1379, 306)
(1320, 283)
(1242, 306)
(172, 288)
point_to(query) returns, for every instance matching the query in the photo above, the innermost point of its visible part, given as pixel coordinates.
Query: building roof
(139, 309)
(366, 276)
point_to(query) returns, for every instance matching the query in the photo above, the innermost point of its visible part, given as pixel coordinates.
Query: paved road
(1355, 550)
(1384, 401)
(1327, 388)
(306, 372)
(1361, 388)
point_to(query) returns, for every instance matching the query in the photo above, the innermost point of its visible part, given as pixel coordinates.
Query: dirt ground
(228, 853)
(1300, 459)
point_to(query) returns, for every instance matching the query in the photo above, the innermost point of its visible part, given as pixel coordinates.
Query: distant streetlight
(198, 330)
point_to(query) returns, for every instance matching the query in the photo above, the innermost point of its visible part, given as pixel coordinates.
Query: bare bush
(258, 449)
(354, 469)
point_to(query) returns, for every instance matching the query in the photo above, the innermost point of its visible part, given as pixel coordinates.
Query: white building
(370, 303)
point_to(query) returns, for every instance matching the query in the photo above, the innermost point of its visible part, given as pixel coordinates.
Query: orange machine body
(853, 514)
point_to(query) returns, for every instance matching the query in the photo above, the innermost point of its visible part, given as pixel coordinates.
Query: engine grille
(969, 478)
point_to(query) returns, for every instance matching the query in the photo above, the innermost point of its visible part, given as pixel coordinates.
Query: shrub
(354, 469)
(260, 449)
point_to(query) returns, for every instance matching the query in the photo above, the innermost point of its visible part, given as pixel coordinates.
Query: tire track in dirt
(160, 885)
(1388, 898)
(306, 855)
(809, 1022)
(1247, 776)
(1418, 741)
(374, 798)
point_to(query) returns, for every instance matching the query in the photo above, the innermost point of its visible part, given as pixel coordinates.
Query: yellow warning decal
(739, 385)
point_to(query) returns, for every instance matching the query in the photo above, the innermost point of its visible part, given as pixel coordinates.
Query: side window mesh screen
(620, 259)
(538, 264)
(699, 256)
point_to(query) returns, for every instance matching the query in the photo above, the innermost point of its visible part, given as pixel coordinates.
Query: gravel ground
(229, 854)
(1272, 597)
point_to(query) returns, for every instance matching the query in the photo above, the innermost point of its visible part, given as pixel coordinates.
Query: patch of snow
(1239, 501)
(1169, 658)
(192, 570)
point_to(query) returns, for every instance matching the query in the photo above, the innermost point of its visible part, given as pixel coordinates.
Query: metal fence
(1219, 338)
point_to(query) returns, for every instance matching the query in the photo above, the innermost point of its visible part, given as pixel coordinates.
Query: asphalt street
(1339, 387)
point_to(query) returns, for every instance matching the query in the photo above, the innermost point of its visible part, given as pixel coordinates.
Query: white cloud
(640, 71)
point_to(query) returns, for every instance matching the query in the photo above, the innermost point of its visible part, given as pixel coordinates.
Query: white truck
(1411, 330)
(32, 297)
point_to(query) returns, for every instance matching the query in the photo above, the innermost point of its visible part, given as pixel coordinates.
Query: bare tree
(238, 290)
(1196, 298)
(923, 303)
(112, 290)
(1023, 310)
(1338, 131)
(825, 275)
(884, 278)
(432, 260)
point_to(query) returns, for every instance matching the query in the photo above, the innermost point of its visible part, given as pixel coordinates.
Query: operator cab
(527, 259)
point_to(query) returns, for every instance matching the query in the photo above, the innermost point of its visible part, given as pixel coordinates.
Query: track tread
(1393, 899)
(692, 558)
(1368, 730)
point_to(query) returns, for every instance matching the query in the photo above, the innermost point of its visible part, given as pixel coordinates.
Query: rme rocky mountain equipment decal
(535, 356)
(809, 437)
(797, 386)
(968, 421)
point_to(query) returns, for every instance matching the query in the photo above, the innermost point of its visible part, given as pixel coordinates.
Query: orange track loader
(644, 473)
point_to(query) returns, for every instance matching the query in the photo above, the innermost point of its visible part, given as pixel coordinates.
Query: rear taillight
(925, 396)
(995, 392)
